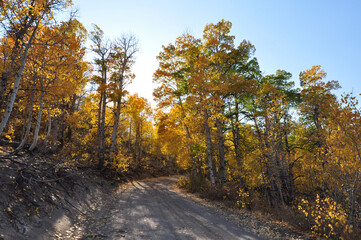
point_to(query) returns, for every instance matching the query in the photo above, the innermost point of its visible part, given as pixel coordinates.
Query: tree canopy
(219, 120)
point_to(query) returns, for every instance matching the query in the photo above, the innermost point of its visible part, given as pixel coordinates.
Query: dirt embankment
(41, 198)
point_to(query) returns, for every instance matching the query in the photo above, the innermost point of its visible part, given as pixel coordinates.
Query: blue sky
(290, 35)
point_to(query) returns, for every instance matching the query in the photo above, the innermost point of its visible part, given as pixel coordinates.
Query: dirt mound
(41, 198)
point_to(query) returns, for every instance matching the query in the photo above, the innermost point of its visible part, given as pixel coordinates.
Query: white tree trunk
(115, 132)
(209, 150)
(38, 121)
(10, 105)
(49, 130)
(102, 134)
(28, 125)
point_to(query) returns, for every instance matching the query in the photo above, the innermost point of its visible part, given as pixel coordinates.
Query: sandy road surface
(154, 210)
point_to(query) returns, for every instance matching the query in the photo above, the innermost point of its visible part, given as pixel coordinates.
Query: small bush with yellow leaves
(326, 217)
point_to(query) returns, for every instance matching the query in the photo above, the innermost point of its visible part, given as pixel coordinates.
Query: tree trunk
(117, 113)
(54, 145)
(38, 121)
(271, 173)
(140, 141)
(23, 129)
(222, 169)
(3, 86)
(102, 134)
(237, 137)
(6, 74)
(101, 131)
(183, 117)
(209, 148)
(15, 89)
(49, 130)
(99, 113)
(137, 142)
(115, 130)
(188, 134)
(237, 149)
(130, 134)
(290, 183)
(28, 125)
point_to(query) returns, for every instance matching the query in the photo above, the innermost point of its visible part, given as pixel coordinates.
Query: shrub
(243, 198)
(184, 182)
(194, 184)
(326, 217)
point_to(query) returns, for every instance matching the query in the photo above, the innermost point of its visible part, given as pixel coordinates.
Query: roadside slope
(42, 199)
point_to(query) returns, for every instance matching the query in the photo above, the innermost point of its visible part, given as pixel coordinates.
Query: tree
(318, 102)
(122, 59)
(273, 125)
(344, 160)
(21, 20)
(203, 74)
(102, 49)
(56, 67)
(173, 74)
(139, 110)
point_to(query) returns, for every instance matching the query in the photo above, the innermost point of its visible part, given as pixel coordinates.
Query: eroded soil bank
(43, 199)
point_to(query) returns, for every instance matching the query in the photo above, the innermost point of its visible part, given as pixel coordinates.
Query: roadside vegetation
(241, 136)
(257, 141)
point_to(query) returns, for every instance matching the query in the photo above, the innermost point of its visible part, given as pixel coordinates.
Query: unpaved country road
(154, 210)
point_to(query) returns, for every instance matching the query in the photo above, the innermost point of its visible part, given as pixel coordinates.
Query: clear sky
(291, 35)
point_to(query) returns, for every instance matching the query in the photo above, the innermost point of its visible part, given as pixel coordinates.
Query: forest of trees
(53, 101)
(218, 119)
(279, 145)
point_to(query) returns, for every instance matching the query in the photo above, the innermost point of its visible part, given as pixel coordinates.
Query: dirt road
(154, 210)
